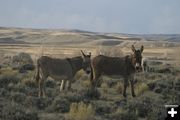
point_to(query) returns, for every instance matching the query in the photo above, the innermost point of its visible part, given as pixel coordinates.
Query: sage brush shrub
(59, 105)
(5, 80)
(14, 111)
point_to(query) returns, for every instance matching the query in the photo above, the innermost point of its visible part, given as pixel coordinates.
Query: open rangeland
(159, 86)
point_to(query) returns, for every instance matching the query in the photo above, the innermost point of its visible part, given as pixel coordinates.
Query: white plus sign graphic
(172, 112)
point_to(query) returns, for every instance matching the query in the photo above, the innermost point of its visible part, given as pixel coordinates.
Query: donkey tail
(37, 74)
(91, 75)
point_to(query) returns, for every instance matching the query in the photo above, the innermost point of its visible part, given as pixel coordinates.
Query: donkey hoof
(133, 95)
(124, 95)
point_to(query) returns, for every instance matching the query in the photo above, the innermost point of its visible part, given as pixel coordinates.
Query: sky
(120, 16)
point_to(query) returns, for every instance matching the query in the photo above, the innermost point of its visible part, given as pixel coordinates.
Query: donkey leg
(125, 86)
(68, 85)
(40, 88)
(61, 86)
(43, 88)
(96, 80)
(64, 85)
(132, 85)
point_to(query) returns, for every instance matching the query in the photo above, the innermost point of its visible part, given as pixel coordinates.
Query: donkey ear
(83, 53)
(133, 48)
(142, 48)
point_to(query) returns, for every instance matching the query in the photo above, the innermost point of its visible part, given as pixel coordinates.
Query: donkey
(61, 69)
(115, 66)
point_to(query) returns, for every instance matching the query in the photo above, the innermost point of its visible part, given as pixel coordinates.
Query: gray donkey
(60, 69)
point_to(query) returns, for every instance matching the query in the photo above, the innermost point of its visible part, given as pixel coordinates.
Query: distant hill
(65, 36)
(9, 40)
(149, 37)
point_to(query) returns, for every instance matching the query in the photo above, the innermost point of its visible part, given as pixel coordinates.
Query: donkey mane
(75, 62)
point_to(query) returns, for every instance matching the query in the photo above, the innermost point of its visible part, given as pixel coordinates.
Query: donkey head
(137, 58)
(86, 64)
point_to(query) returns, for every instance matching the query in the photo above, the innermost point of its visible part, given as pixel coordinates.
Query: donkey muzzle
(88, 71)
(138, 68)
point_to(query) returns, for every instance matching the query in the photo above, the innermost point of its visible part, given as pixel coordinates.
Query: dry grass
(119, 87)
(86, 83)
(141, 88)
(8, 71)
(104, 87)
(110, 51)
(81, 111)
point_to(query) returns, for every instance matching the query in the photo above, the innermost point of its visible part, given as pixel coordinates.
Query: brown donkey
(115, 66)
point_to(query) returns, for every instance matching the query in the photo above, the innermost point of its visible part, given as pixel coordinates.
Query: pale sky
(122, 16)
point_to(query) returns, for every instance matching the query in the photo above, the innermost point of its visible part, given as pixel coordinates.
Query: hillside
(66, 37)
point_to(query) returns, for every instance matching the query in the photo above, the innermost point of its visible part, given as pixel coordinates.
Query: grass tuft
(81, 111)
